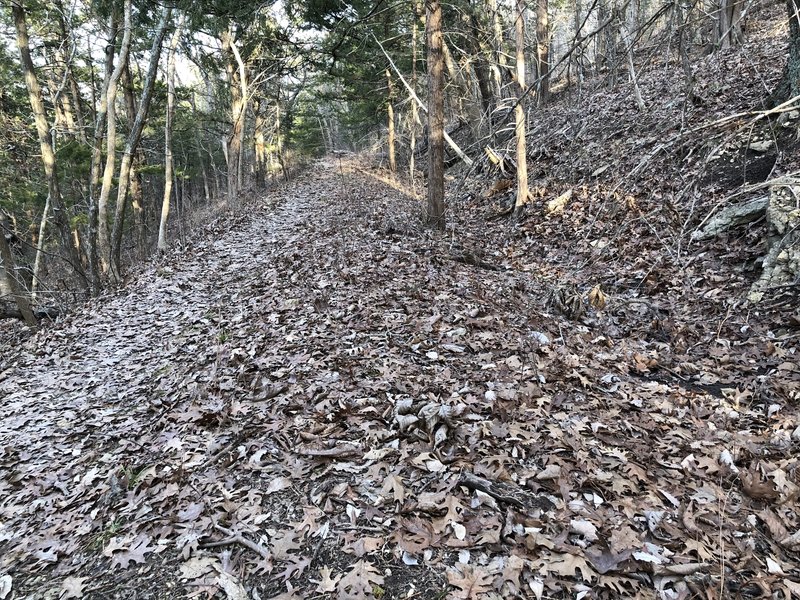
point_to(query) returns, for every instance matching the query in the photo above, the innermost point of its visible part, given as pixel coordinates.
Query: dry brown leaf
(326, 584)
(472, 582)
(364, 545)
(597, 298)
(756, 487)
(394, 484)
(774, 524)
(360, 583)
(72, 587)
(566, 565)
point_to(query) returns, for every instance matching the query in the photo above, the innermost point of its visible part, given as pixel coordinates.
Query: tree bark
(501, 67)
(199, 148)
(519, 113)
(543, 50)
(168, 160)
(390, 120)
(242, 113)
(137, 190)
(260, 109)
(37, 261)
(793, 65)
(235, 143)
(71, 99)
(789, 85)
(7, 269)
(414, 109)
(45, 143)
(729, 23)
(97, 154)
(103, 236)
(433, 26)
(482, 61)
(133, 142)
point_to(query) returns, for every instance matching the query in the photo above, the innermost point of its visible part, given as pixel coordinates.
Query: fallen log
(12, 311)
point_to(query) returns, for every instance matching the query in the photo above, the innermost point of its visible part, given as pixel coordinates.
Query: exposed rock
(731, 217)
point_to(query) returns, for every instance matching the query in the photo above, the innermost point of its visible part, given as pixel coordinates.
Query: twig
(335, 452)
(474, 482)
(237, 538)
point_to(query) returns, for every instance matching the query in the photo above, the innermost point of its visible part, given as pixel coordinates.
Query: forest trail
(103, 368)
(321, 398)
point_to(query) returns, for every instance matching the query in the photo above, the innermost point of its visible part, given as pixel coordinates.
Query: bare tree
(433, 29)
(45, 142)
(132, 143)
(390, 121)
(93, 228)
(168, 160)
(793, 65)
(543, 50)
(103, 234)
(235, 69)
(519, 113)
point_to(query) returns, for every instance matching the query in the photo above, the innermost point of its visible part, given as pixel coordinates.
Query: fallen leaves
(327, 424)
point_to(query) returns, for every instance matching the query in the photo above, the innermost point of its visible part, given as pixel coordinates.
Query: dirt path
(111, 366)
(322, 399)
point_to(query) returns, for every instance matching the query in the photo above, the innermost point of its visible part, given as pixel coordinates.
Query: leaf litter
(304, 404)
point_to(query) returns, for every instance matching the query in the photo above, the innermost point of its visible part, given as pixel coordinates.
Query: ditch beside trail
(322, 398)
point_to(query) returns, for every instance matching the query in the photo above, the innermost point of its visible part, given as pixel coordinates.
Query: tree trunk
(103, 237)
(55, 88)
(133, 142)
(7, 269)
(199, 147)
(238, 113)
(414, 109)
(729, 23)
(71, 100)
(793, 65)
(137, 191)
(501, 67)
(242, 114)
(97, 153)
(482, 63)
(37, 262)
(390, 120)
(279, 141)
(433, 26)
(45, 143)
(168, 160)
(789, 85)
(519, 113)
(543, 50)
(260, 108)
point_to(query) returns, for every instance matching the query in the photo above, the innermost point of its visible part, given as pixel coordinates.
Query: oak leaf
(472, 582)
(135, 553)
(360, 582)
(72, 587)
(566, 565)
(326, 584)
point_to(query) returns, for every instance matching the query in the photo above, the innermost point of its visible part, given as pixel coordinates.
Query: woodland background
(204, 100)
